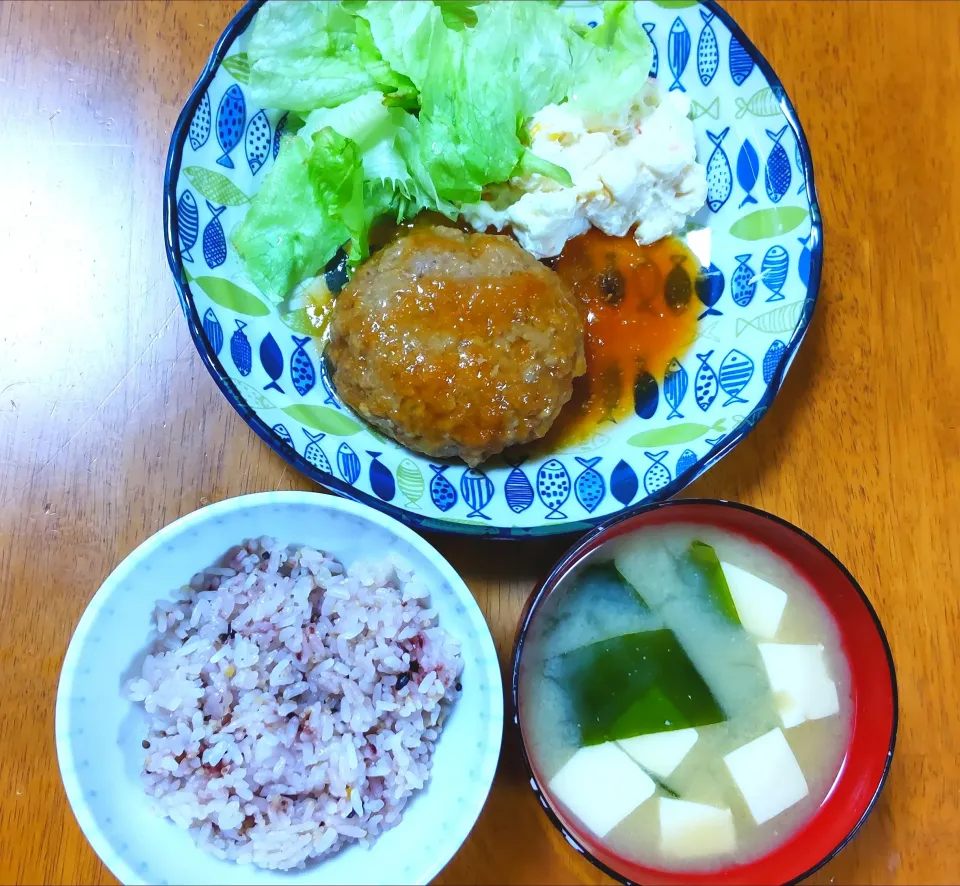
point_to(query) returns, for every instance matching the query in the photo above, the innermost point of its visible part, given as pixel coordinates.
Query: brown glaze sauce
(475, 341)
(639, 313)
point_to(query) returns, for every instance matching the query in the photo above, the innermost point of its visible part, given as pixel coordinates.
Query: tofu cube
(767, 774)
(661, 752)
(802, 688)
(693, 830)
(601, 786)
(759, 604)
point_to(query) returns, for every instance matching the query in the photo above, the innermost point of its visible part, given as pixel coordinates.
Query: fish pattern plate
(758, 239)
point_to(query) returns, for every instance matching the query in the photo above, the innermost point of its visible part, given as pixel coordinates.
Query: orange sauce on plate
(638, 305)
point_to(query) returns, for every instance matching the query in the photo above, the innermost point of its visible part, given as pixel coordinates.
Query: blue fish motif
(648, 27)
(314, 454)
(442, 493)
(748, 171)
(675, 383)
(553, 488)
(477, 491)
(771, 360)
(678, 52)
(658, 474)
(705, 385)
(803, 174)
(712, 441)
(646, 395)
(381, 480)
(257, 142)
(213, 330)
(337, 272)
(773, 271)
(736, 370)
(589, 487)
(348, 463)
(688, 458)
(283, 435)
(719, 177)
(776, 177)
(271, 358)
(624, 483)
(708, 53)
(743, 283)
(676, 288)
(331, 398)
(803, 263)
(188, 223)
(302, 373)
(709, 288)
(200, 125)
(214, 243)
(278, 134)
(240, 349)
(741, 64)
(231, 118)
(517, 490)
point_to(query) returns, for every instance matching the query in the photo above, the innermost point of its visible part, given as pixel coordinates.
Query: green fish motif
(298, 321)
(781, 319)
(592, 444)
(674, 434)
(763, 103)
(323, 418)
(227, 294)
(252, 396)
(712, 110)
(239, 66)
(611, 388)
(709, 331)
(410, 483)
(217, 188)
(750, 420)
(765, 223)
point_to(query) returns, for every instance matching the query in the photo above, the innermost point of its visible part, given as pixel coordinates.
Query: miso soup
(685, 698)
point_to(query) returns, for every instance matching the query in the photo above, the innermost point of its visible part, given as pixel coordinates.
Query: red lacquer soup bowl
(873, 691)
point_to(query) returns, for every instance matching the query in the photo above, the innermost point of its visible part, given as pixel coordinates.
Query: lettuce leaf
(309, 204)
(388, 141)
(308, 55)
(404, 32)
(615, 60)
(480, 87)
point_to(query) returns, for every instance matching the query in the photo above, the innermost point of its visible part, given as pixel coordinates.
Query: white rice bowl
(349, 754)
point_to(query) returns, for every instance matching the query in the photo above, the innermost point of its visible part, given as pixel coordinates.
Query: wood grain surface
(110, 426)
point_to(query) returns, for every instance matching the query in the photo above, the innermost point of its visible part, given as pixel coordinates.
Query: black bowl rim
(574, 552)
(178, 138)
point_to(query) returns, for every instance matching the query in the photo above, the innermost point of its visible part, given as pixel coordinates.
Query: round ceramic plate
(758, 238)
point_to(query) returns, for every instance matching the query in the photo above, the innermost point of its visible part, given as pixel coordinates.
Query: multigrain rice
(293, 706)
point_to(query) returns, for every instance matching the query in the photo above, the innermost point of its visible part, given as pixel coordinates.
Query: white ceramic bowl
(98, 732)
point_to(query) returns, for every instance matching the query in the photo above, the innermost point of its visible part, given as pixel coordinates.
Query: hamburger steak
(456, 344)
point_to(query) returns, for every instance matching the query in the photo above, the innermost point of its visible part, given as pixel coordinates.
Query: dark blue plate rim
(430, 524)
(586, 542)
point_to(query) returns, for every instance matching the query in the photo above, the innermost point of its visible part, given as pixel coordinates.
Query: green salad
(399, 107)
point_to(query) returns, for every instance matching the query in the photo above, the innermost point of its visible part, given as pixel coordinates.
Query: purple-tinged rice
(293, 706)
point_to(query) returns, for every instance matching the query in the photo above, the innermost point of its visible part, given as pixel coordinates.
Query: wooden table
(110, 426)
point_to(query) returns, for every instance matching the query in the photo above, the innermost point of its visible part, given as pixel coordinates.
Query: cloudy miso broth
(684, 696)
